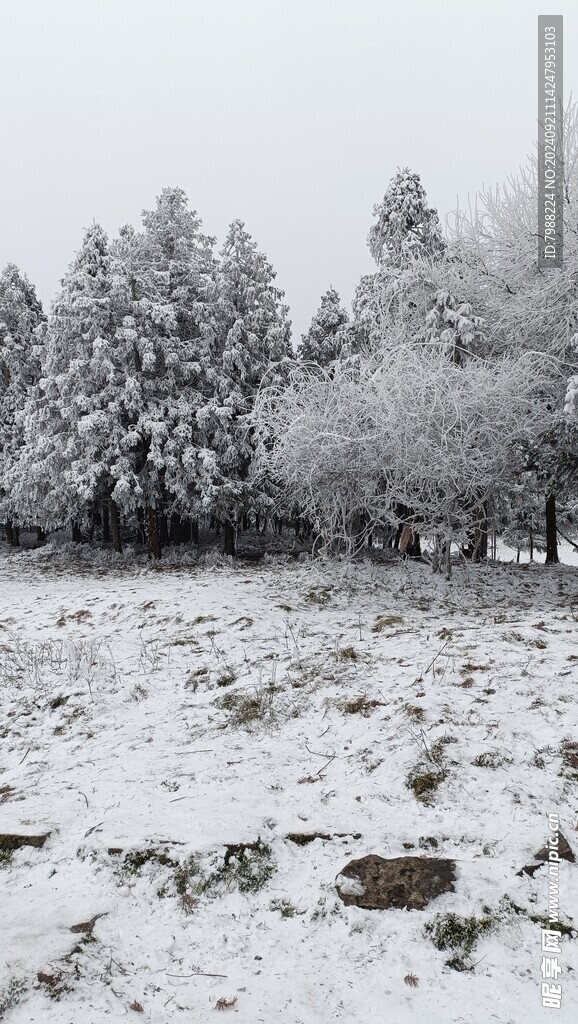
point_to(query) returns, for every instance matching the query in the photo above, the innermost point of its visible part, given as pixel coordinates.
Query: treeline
(162, 393)
(126, 409)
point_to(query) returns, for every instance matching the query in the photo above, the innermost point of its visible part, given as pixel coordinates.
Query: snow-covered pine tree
(326, 336)
(177, 263)
(255, 340)
(47, 481)
(406, 242)
(173, 267)
(21, 325)
(453, 325)
(406, 226)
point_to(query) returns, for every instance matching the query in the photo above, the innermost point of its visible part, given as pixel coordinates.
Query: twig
(331, 757)
(568, 541)
(436, 656)
(197, 974)
(326, 765)
(479, 961)
(93, 827)
(25, 756)
(317, 753)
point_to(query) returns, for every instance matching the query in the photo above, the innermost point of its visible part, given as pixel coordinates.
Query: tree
(22, 322)
(47, 480)
(406, 227)
(412, 264)
(167, 275)
(325, 338)
(404, 426)
(528, 308)
(255, 340)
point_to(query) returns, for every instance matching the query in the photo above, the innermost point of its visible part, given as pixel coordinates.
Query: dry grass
(569, 754)
(384, 621)
(80, 616)
(424, 784)
(414, 712)
(411, 980)
(225, 1003)
(361, 705)
(348, 654)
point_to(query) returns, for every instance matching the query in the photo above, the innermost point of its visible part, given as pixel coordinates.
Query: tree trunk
(10, 533)
(40, 536)
(141, 534)
(154, 538)
(531, 536)
(76, 534)
(257, 522)
(230, 538)
(245, 522)
(551, 532)
(176, 531)
(163, 529)
(106, 535)
(114, 532)
(195, 531)
(480, 541)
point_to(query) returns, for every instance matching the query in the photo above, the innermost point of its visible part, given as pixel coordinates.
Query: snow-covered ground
(153, 719)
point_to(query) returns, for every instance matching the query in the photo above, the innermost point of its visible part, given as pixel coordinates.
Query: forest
(162, 400)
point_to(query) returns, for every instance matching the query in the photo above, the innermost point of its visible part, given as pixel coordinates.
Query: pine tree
(48, 475)
(406, 226)
(453, 325)
(326, 336)
(177, 263)
(255, 340)
(407, 244)
(21, 326)
(172, 267)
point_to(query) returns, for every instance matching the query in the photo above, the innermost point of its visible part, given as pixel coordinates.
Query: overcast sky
(290, 114)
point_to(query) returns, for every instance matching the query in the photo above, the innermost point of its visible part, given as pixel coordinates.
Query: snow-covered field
(156, 721)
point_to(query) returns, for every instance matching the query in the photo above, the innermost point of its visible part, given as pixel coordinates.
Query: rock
(9, 841)
(86, 926)
(565, 852)
(564, 849)
(529, 869)
(375, 883)
(302, 838)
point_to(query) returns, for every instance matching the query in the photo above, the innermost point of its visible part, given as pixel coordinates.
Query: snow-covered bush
(403, 427)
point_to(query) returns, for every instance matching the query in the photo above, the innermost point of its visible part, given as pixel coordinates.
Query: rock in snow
(375, 883)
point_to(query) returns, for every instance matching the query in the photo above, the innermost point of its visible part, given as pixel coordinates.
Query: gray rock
(10, 841)
(375, 883)
(564, 849)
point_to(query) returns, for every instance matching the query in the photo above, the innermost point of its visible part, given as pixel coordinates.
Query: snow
(114, 737)
(349, 886)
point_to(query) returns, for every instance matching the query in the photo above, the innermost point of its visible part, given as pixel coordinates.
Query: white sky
(291, 114)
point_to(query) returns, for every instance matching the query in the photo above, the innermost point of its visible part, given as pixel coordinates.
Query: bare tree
(405, 426)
